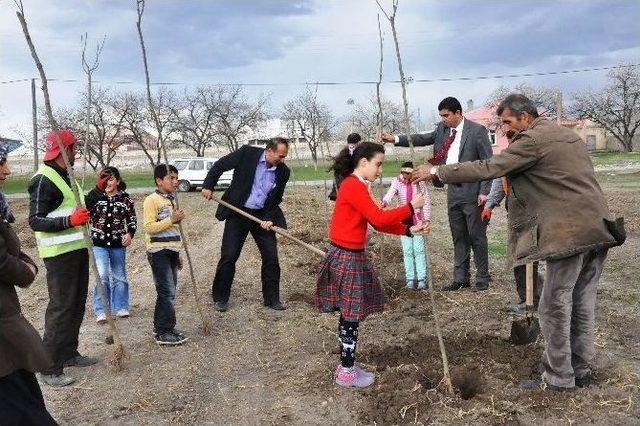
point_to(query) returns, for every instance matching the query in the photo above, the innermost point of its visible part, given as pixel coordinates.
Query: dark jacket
(474, 145)
(20, 343)
(111, 217)
(556, 206)
(244, 162)
(45, 197)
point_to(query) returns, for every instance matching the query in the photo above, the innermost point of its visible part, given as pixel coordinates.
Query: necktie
(442, 152)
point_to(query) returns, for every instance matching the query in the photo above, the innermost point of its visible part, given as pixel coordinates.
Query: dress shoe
(220, 306)
(539, 384)
(454, 286)
(481, 286)
(276, 306)
(584, 381)
(80, 361)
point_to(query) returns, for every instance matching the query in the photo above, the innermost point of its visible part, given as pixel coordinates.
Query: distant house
(593, 135)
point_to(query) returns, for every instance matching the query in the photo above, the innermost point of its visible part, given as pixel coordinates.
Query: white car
(193, 171)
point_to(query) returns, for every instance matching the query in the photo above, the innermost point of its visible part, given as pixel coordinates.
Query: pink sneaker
(354, 376)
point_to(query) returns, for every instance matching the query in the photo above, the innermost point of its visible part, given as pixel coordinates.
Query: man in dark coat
(259, 179)
(457, 140)
(21, 350)
(557, 213)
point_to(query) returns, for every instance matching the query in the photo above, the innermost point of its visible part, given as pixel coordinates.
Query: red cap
(51, 144)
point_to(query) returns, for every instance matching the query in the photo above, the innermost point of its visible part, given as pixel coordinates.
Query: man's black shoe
(80, 361)
(454, 286)
(481, 286)
(220, 306)
(539, 384)
(584, 381)
(276, 306)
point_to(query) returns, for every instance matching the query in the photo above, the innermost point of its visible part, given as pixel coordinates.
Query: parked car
(193, 171)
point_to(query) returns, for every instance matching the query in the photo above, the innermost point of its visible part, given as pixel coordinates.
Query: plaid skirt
(348, 283)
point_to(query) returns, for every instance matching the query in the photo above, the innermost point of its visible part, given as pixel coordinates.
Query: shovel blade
(525, 331)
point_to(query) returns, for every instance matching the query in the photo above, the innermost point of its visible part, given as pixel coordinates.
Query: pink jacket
(399, 187)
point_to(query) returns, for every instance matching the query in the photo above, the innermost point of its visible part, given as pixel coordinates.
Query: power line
(346, 83)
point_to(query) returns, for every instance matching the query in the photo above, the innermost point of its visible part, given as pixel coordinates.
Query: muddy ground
(265, 367)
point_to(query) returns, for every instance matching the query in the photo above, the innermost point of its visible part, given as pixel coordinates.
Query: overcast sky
(289, 43)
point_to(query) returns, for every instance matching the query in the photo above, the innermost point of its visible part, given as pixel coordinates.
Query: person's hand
(417, 201)
(385, 137)
(126, 240)
(177, 215)
(266, 225)
(421, 229)
(482, 199)
(79, 217)
(180, 263)
(102, 179)
(207, 194)
(422, 173)
(485, 216)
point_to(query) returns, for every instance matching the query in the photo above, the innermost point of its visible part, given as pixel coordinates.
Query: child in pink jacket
(412, 247)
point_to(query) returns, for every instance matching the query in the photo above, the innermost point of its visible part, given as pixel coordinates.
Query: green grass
(615, 158)
(497, 249)
(134, 179)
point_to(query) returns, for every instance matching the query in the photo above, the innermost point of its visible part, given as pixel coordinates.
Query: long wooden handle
(529, 284)
(274, 228)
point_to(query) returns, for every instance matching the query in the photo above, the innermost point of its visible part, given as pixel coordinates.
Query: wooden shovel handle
(274, 228)
(529, 286)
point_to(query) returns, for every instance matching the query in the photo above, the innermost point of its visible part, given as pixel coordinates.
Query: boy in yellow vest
(57, 223)
(163, 251)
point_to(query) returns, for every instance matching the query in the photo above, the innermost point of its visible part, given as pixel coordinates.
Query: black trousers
(468, 231)
(236, 229)
(68, 282)
(21, 401)
(520, 274)
(164, 268)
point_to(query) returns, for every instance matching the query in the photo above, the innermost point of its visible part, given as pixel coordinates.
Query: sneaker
(410, 284)
(179, 333)
(80, 361)
(359, 370)
(170, 339)
(56, 380)
(421, 285)
(123, 313)
(353, 376)
(101, 319)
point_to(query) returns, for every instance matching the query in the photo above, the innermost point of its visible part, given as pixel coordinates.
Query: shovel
(526, 330)
(274, 228)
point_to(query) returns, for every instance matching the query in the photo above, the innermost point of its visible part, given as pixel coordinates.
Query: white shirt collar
(460, 126)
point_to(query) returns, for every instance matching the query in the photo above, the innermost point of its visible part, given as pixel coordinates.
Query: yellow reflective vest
(52, 244)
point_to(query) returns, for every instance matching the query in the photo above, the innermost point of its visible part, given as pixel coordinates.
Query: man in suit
(456, 140)
(258, 183)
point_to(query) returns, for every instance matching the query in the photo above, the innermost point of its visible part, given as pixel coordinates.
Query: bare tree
(403, 81)
(235, 116)
(545, 98)
(106, 125)
(616, 107)
(365, 117)
(312, 118)
(194, 119)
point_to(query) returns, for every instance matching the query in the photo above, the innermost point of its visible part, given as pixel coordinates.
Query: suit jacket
(474, 145)
(556, 207)
(20, 343)
(244, 162)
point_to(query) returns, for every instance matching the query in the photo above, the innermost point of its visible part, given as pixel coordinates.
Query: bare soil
(265, 367)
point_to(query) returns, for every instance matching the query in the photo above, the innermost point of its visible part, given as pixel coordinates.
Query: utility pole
(34, 113)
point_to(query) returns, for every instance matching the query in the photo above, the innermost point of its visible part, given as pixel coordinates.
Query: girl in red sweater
(347, 281)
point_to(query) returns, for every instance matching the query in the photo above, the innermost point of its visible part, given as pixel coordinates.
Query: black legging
(348, 336)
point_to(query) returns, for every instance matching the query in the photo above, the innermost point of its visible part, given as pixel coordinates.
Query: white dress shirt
(454, 151)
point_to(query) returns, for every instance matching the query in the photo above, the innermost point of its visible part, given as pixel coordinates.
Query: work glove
(485, 216)
(101, 180)
(79, 217)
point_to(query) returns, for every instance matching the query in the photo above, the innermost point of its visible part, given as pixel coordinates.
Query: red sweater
(354, 209)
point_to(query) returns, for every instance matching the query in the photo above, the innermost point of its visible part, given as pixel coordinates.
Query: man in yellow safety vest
(57, 223)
